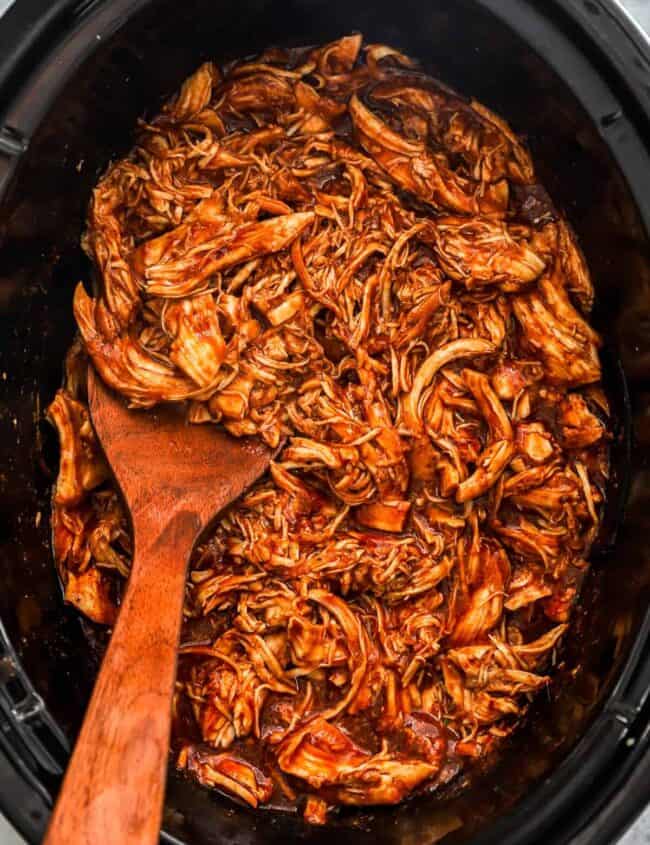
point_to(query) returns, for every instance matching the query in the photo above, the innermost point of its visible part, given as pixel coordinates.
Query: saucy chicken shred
(328, 249)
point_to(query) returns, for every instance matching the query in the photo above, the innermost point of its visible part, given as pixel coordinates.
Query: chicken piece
(376, 56)
(404, 93)
(557, 606)
(384, 516)
(426, 736)
(479, 707)
(320, 111)
(315, 811)
(291, 306)
(201, 224)
(558, 301)
(413, 167)
(413, 323)
(423, 460)
(485, 680)
(550, 497)
(82, 466)
(108, 247)
(338, 57)
(233, 401)
(220, 158)
(452, 351)
(70, 538)
(182, 264)
(535, 442)
(563, 341)
(480, 251)
(229, 687)
(526, 592)
(499, 151)
(423, 579)
(383, 780)
(579, 427)
(198, 347)
(525, 538)
(312, 646)
(489, 467)
(444, 516)
(94, 533)
(383, 454)
(487, 146)
(217, 591)
(511, 377)
(322, 755)
(231, 774)
(531, 654)
(495, 667)
(482, 609)
(258, 92)
(307, 452)
(578, 280)
(124, 365)
(195, 93)
(108, 538)
(489, 405)
(319, 753)
(530, 477)
(238, 151)
(90, 593)
(356, 473)
(360, 652)
(512, 682)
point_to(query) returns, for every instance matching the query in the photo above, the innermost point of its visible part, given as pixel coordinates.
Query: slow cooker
(573, 77)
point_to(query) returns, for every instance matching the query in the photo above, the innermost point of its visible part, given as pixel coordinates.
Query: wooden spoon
(175, 478)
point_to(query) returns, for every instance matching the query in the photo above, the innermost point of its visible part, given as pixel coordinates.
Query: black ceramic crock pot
(573, 76)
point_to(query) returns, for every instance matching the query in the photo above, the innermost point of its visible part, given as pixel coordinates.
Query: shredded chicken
(323, 245)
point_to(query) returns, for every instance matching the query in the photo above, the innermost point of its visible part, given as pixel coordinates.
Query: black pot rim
(42, 43)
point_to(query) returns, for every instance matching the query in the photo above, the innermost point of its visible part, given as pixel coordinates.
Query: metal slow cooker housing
(573, 76)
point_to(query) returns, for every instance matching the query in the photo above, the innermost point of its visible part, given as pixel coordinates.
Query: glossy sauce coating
(329, 246)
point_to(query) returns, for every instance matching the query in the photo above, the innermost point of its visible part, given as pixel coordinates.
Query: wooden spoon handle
(113, 790)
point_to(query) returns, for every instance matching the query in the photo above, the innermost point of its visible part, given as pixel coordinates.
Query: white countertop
(639, 833)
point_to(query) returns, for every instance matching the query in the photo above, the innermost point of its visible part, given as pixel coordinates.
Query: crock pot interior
(90, 123)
